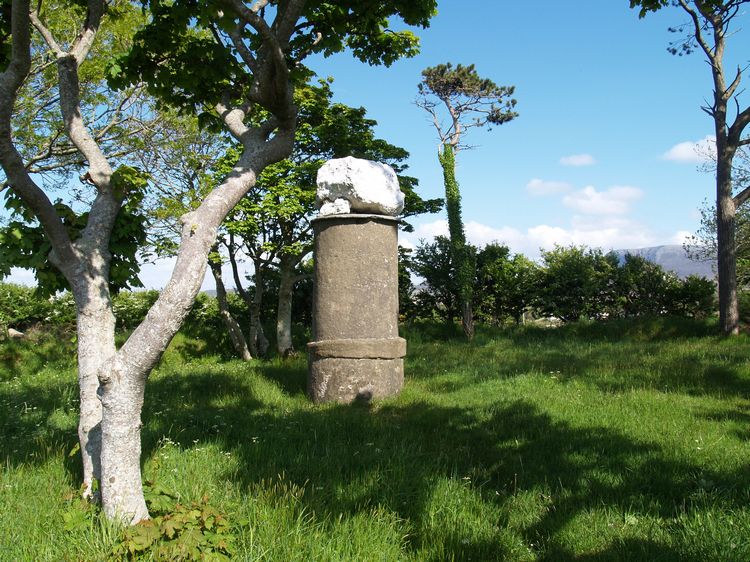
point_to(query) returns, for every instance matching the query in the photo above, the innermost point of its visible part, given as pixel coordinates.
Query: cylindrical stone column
(356, 353)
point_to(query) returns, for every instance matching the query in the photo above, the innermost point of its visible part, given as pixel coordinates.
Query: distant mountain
(673, 258)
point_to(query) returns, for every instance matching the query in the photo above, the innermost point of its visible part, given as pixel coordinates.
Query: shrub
(21, 307)
(694, 297)
(131, 307)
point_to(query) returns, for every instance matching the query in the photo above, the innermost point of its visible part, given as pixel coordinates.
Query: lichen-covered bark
(121, 485)
(96, 346)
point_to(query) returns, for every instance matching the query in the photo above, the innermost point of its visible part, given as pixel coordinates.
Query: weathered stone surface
(367, 187)
(345, 379)
(360, 348)
(356, 352)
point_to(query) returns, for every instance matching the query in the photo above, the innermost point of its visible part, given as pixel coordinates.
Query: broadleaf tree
(229, 61)
(458, 99)
(53, 125)
(709, 27)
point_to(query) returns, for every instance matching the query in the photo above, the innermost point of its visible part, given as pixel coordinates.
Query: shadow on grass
(350, 459)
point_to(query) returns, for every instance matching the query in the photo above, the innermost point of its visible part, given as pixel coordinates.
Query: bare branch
(698, 33)
(245, 54)
(738, 127)
(741, 197)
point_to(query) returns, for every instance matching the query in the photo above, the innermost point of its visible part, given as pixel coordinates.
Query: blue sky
(601, 104)
(595, 87)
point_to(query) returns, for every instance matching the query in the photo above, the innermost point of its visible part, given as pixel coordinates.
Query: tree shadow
(351, 458)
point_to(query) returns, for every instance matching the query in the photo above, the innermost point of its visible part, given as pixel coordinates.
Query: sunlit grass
(621, 441)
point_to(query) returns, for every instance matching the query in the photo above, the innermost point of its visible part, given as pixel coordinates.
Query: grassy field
(618, 441)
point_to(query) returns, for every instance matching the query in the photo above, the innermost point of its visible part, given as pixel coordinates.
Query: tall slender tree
(710, 25)
(468, 101)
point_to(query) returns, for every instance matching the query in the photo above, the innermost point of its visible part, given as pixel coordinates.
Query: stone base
(337, 379)
(355, 370)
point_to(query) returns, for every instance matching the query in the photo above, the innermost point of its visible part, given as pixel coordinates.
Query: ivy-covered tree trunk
(463, 261)
(233, 328)
(284, 311)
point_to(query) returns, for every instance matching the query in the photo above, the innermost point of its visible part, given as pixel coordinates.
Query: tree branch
(46, 34)
(12, 162)
(698, 31)
(85, 40)
(245, 54)
(741, 197)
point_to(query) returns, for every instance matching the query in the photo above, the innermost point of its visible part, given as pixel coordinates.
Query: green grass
(617, 441)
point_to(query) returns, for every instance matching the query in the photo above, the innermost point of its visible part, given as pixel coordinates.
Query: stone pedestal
(356, 353)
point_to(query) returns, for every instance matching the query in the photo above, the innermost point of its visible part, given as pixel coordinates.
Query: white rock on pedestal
(358, 186)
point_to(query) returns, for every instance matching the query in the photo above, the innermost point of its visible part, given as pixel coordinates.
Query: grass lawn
(616, 441)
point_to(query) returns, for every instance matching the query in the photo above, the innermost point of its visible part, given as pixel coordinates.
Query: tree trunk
(729, 314)
(123, 380)
(96, 346)
(467, 319)
(462, 261)
(284, 343)
(122, 401)
(249, 300)
(258, 341)
(235, 332)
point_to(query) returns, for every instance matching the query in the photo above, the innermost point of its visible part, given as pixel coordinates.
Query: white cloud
(681, 237)
(431, 229)
(605, 231)
(538, 187)
(613, 201)
(21, 277)
(578, 160)
(481, 234)
(692, 152)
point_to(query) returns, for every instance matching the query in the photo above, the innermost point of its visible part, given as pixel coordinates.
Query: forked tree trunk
(235, 332)
(284, 343)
